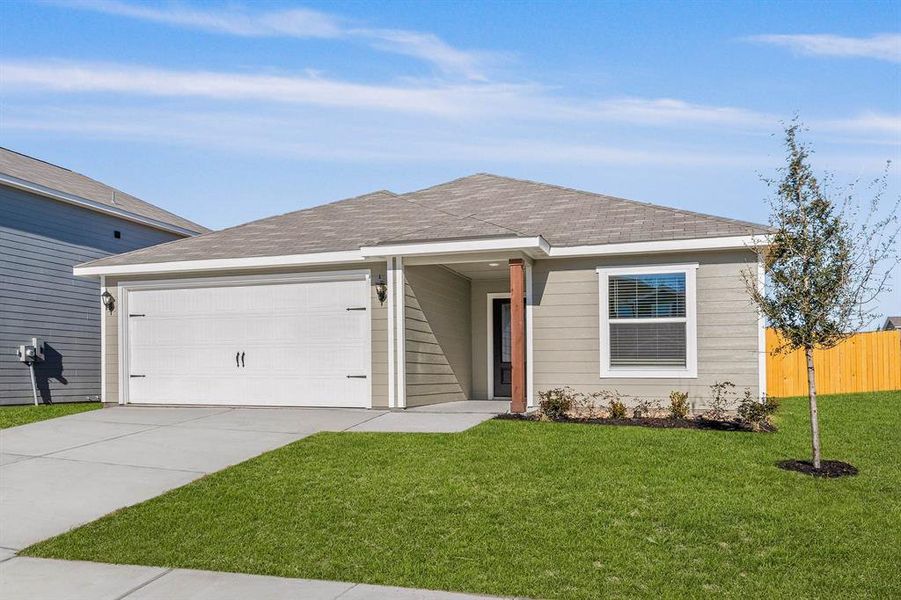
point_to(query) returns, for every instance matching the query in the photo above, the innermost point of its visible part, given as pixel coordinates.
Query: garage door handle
(356, 308)
(356, 377)
(137, 376)
(242, 360)
(237, 357)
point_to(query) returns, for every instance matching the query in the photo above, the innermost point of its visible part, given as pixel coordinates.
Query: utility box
(31, 353)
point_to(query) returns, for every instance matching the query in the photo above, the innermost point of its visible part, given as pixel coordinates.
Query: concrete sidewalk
(61, 473)
(24, 578)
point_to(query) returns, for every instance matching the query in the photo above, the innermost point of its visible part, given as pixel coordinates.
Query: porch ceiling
(483, 270)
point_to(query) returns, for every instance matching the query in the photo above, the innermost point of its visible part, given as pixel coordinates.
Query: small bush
(756, 413)
(616, 409)
(555, 403)
(587, 405)
(720, 400)
(646, 409)
(678, 405)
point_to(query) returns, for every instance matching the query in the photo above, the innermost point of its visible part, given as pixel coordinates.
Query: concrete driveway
(61, 473)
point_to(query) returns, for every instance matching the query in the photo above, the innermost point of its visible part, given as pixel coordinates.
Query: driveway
(61, 473)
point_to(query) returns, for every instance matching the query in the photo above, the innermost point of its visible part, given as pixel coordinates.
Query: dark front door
(500, 310)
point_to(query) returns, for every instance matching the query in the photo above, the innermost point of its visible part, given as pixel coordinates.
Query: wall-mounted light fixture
(381, 289)
(108, 301)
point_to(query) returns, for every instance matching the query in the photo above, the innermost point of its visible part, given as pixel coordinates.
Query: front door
(500, 311)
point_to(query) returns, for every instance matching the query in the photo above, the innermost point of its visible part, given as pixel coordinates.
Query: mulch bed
(828, 468)
(696, 423)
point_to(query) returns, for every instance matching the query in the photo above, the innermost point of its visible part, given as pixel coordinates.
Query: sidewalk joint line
(146, 583)
(354, 586)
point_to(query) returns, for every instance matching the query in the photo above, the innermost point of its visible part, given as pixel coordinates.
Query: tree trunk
(814, 417)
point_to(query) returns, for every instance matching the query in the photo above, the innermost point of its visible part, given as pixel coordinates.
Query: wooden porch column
(517, 337)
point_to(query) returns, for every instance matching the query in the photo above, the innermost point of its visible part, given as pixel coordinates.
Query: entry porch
(459, 329)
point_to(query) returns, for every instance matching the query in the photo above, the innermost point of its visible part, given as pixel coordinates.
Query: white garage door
(273, 344)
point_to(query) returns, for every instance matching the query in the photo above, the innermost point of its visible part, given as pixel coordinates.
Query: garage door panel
(299, 343)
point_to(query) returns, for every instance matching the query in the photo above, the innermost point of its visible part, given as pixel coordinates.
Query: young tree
(825, 263)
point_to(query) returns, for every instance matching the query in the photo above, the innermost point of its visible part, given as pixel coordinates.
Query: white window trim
(690, 371)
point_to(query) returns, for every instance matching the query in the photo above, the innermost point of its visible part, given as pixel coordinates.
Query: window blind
(647, 320)
(647, 296)
(647, 344)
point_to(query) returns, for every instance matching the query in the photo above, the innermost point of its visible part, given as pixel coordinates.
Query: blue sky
(227, 112)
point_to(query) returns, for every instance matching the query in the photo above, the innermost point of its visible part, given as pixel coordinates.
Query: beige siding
(379, 316)
(480, 291)
(566, 326)
(437, 336)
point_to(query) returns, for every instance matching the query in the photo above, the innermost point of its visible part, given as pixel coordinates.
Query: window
(648, 326)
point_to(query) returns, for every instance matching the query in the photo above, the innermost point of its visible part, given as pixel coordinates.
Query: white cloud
(428, 47)
(663, 111)
(144, 81)
(299, 23)
(452, 101)
(291, 115)
(299, 137)
(870, 122)
(881, 47)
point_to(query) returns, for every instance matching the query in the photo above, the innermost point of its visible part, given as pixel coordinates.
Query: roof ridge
(443, 183)
(473, 217)
(46, 162)
(619, 199)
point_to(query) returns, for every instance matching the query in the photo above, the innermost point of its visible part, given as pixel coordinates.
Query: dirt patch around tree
(828, 468)
(660, 423)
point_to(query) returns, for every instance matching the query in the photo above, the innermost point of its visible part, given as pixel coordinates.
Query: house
(51, 219)
(891, 323)
(482, 287)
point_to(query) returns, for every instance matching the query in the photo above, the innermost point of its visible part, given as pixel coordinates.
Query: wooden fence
(865, 362)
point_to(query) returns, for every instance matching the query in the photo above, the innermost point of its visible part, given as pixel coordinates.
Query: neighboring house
(50, 220)
(891, 323)
(606, 294)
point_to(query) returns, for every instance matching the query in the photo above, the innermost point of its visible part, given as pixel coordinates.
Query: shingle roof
(478, 206)
(892, 323)
(57, 178)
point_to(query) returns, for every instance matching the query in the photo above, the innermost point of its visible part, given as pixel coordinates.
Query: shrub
(756, 413)
(586, 405)
(678, 405)
(555, 403)
(645, 408)
(617, 408)
(720, 401)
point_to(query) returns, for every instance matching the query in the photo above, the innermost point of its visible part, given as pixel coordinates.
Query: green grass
(544, 510)
(13, 416)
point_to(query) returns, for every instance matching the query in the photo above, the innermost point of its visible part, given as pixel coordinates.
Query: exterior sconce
(108, 301)
(381, 289)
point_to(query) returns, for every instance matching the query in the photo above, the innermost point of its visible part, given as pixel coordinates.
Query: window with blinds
(647, 320)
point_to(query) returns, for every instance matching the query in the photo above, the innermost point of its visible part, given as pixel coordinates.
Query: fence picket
(865, 362)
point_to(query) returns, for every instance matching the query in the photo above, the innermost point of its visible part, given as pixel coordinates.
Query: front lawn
(544, 510)
(13, 416)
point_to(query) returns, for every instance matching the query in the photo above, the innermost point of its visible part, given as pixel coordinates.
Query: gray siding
(566, 322)
(379, 318)
(40, 241)
(438, 342)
